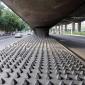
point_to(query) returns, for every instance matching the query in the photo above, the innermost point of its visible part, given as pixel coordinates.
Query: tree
(10, 22)
(1, 9)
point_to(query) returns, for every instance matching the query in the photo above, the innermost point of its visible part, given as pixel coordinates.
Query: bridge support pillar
(65, 27)
(61, 29)
(79, 26)
(73, 26)
(41, 32)
(56, 29)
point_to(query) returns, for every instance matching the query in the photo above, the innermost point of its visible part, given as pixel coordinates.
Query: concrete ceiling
(41, 13)
(76, 16)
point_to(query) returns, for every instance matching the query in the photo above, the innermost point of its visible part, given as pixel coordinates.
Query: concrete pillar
(56, 28)
(51, 30)
(41, 32)
(79, 26)
(65, 27)
(73, 26)
(61, 29)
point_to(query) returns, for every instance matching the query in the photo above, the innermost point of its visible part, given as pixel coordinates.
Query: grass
(75, 33)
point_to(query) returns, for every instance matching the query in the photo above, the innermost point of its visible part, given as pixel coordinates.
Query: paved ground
(75, 43)
(40, 61)
(7, 40)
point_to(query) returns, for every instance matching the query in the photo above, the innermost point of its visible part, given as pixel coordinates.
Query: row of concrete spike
(36, 61)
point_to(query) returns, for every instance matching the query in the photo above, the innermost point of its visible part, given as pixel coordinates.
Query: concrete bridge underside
(43, 14)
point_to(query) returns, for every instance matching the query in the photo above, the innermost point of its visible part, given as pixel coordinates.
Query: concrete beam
(43, 13)
(41, 32)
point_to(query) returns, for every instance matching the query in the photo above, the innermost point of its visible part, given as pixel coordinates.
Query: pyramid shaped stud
(14, 82)
(21, 71)
(73, 72)
(18, 75)
(26, 82)
(15, 66)
(2, 66)
(61, 83)
(7, 75)
(7, 66)
(2, 81)
(40, 71)
(48, 76)
(10, 63)
(50, 83)
(71, 83)
(82, 83)
(28, 76)
(11, 70)
(77, 77)
(24, 67)
(30, 70)
(58, 77)
(82, 73)
(38, 76)
(1, 70)
(38, 83)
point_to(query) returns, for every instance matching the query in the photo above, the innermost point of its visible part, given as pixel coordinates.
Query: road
(74, 43)
(4, 37)
(7, 40)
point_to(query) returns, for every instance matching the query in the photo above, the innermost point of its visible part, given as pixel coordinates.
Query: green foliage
(1, 9)
(75, 33)
(9, 21)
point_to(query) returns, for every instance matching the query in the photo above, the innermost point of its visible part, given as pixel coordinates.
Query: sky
(4, 5)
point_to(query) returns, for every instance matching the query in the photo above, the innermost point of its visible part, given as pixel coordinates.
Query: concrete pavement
(74, 43)
(40, 61)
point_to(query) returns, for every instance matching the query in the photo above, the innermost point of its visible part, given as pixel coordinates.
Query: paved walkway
(75, 43)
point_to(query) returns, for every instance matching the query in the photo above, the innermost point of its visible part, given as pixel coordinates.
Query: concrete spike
(71, 83)
(58, 76)
(28, 76)
(11, 70)
(21, 71)
(37, 83)
(50, 83)
(2, 81)
(77, 77)
(61, 83)
(26, 82)
(7, 75)
(14, 82)
(38, 76)
(18, 75)
(1, 70)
